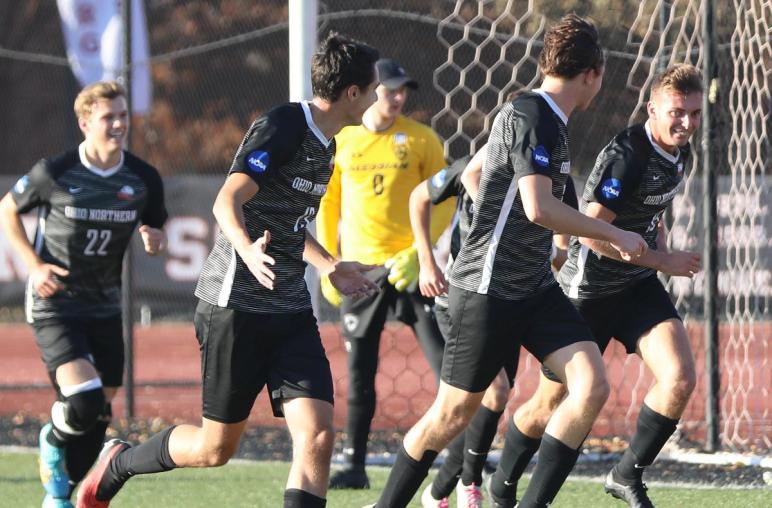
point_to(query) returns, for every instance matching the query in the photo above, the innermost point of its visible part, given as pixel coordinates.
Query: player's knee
(682, 384)
(217, 455)
(454, 418)
(496, 397)
(600, 390)
(317, 441)
(82, 407)
(594, 390)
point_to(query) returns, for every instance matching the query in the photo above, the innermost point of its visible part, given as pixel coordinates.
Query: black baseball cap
(393, 76)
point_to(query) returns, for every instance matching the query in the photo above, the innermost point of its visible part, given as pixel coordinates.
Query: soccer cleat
(53, 474)
(427, 501)
(634, 495)
(56, 502)
(495, 501)
(468, 496)
(350, 478)
(87, 494)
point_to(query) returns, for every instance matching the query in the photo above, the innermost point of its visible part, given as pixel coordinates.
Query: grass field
(260, 484)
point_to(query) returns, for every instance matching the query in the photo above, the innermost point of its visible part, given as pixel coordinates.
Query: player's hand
(45, 281)
(403, 268)
(257, 260)
(153, 239)
(431, 280)
(329, 292)
(630, 245)
(348, 278)
(679, 263)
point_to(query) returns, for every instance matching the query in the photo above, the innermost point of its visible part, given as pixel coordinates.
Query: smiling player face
(106, 127)
(673, 117)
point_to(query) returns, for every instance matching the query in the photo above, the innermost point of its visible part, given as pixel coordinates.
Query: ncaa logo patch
(439, 178)
(611, 188)
(541, 157)
(21, 184)
(258, 161)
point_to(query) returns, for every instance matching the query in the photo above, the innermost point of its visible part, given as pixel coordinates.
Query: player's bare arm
(470, 178)
(431, 281)
(237, 190)
(44, 276)
(542, 208)
(347, 276)
(676, 263)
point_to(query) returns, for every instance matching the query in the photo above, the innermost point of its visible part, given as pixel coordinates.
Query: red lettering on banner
(85, 13)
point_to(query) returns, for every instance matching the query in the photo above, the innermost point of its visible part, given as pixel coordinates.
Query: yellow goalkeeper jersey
(367, 196)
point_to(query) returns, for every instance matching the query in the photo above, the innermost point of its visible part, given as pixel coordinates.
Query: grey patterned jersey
(86, 219)
(505, 254)
(291, 161)
(446, 183)
(637, 180)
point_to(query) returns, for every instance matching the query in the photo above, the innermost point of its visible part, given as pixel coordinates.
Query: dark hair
(570, 48)
(682, 79)
(339, 63)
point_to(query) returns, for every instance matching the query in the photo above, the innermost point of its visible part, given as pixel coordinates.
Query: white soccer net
(492, 49)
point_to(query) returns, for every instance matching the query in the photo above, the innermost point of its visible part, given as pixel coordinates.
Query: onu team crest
(399, 145)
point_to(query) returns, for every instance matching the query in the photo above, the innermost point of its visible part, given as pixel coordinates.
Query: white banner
(93, 35)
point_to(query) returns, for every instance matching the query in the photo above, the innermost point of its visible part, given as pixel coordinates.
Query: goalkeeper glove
(329, 292)
(403, 268)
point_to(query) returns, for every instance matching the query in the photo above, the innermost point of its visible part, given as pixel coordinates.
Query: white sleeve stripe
(227, 283)
(573, 289)
(490, 256)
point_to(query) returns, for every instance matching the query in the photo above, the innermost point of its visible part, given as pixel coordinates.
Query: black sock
(517, 453)
(82, 452)
(651, 433)
(555, 462)
(152, 456)
(448, 475)
(479, 436)
(296, 498)
(357, 433)
(405, 478)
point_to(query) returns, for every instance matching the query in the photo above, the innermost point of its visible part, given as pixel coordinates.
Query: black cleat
(350, 478)
(634, 495)
(494, 500)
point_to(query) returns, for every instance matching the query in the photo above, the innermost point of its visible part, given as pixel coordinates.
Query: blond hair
(94, 92)
(682, 79)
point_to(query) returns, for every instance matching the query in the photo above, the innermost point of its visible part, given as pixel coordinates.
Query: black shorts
(626, 315)
(364, 317)
(487, 332)
(99, 340)
(243, 351)
(443, 321)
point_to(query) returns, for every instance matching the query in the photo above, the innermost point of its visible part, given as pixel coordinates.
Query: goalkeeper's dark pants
(363, 322)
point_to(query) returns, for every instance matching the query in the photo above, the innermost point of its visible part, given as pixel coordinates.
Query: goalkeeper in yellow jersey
(364, 216)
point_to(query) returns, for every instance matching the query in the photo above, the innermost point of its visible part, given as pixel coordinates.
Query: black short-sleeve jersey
(291, 161)
(86, 219)
(505, 254)
(637, 180)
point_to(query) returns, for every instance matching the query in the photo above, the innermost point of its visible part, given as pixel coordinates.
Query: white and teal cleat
(53, 474)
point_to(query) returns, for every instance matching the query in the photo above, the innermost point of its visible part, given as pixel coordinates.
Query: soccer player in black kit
(467, 453)
(254, 320)
(502, 291)
(635, 178)
(89, 200)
